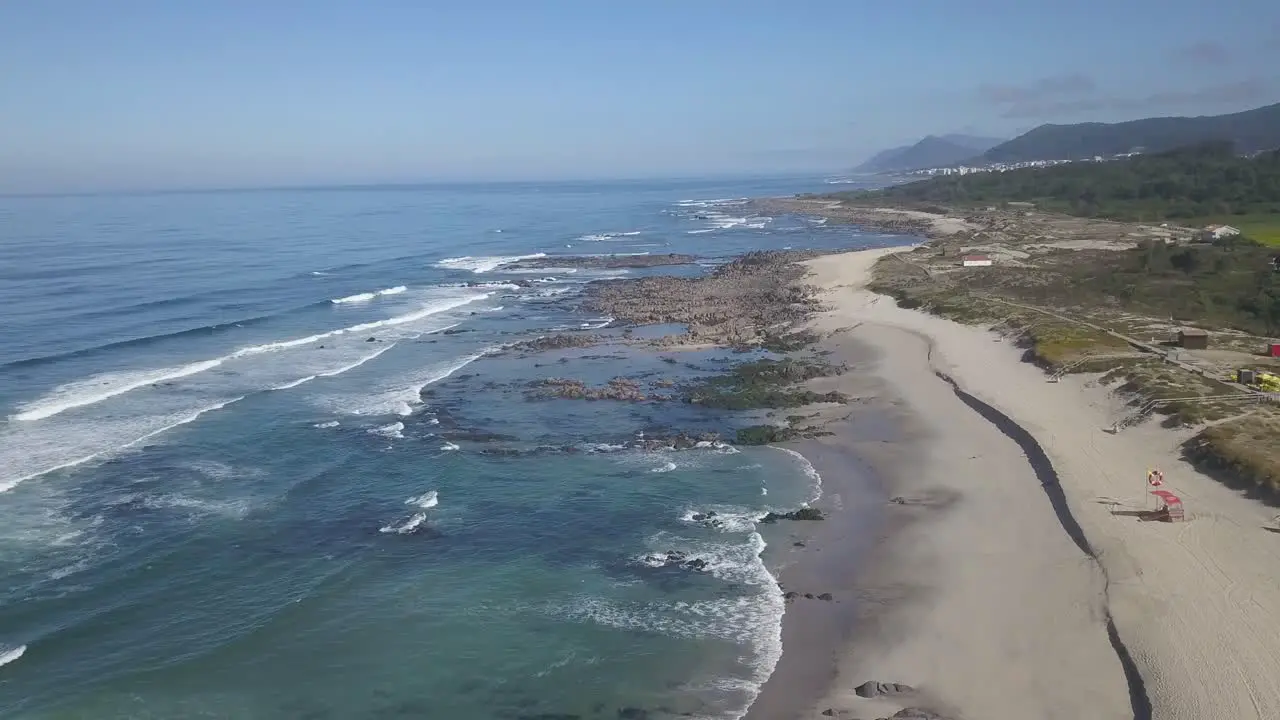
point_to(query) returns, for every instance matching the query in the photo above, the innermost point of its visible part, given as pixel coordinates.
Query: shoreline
(887, 585)
(1032, 591)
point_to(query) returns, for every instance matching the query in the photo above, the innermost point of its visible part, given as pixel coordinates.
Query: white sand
(1012, 623)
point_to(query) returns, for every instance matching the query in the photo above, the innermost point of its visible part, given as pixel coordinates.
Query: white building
(1217, 232)
(976, 261)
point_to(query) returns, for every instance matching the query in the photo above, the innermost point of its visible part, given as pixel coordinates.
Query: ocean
(268, 454)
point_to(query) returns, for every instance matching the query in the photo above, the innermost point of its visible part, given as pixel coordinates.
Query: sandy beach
(1011, 583)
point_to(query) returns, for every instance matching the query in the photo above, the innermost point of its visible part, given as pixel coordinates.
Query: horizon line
(409, 185)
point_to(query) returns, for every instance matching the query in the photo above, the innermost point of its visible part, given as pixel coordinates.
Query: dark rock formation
(601, 262)
(872, 689)
(619, 388)
(676, 558)
(518, 282)
(741, 303)
(917, 714)
(561, 341)
(801, 514)
(674, 441)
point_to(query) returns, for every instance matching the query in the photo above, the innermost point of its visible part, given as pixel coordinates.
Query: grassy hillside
(1250, 131)
(1190, 185)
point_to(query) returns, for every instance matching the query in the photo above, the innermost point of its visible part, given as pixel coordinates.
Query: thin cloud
(1059, 99)
(1045, 89)
(1206, 52)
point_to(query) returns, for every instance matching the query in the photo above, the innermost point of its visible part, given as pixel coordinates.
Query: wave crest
(367, 296)
(484, 263)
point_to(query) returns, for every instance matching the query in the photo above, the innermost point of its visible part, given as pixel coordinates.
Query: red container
(1275, 350)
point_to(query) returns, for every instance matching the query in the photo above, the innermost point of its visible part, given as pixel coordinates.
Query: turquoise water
(264, 456)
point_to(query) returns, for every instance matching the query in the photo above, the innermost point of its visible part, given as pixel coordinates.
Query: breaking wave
(426, 501)
(8, 656)
(606, 237)
(367, 296)
(394, 430)
(483, 263)
(95, 389)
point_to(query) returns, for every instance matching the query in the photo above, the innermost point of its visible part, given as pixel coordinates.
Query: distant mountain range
(932, 151)
(1249, 131)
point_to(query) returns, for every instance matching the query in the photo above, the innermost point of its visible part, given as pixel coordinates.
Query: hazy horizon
(149, 96)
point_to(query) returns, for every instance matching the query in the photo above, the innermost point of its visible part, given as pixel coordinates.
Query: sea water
(269, 454)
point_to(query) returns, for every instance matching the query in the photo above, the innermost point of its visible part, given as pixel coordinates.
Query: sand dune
(1013, 623)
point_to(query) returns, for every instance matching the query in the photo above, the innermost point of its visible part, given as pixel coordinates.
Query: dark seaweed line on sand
(1043, 467)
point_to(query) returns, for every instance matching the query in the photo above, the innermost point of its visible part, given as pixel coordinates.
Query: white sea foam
(716, 202)
(32, 458)
(330, 424)
(449, 447)
(399, 395)
(665, 468)
(724, 448)
(295, 383)
(552, 292)
(8, 655)
(95, 389)
(367, 296)
(728, 518)
(229, 508)
(606, 237)
(753, 619)
(538, 271)
(809, 471)
(361, 297)
(67, 571)
(595, 323)
(426, 501)
(495, 284)
(406, 527)
(394, 430)
(102, 387)
(482, 264)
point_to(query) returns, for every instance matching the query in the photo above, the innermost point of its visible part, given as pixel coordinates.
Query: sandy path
(1196, 604)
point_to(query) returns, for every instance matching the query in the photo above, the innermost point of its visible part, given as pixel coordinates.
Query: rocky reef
(559, 341)
(619, 388)
(742, 303)
(805, 513)
(602, 262)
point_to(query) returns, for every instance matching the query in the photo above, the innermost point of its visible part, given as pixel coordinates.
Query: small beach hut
(1193, 338)
(1170, 505)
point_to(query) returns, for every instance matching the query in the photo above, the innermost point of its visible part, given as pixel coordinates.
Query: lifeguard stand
(1170, 506)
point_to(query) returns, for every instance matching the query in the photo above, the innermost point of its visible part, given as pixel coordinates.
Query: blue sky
(129, 94)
